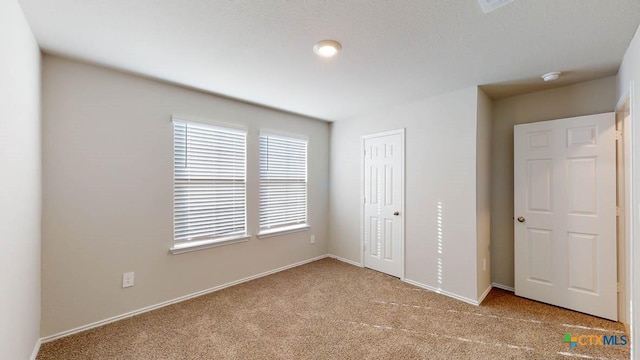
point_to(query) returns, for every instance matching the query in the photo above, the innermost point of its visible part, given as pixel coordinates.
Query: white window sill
(205, 244)
(282, 230)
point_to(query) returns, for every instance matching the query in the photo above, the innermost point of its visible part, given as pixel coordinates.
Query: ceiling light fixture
(327, 48)
(491, 5)
(551, 76)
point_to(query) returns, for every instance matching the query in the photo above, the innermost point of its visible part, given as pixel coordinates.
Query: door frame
(400, 132)
(634, 199)
(624, 182)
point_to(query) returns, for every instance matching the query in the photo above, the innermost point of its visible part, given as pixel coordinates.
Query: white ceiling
(393, 51)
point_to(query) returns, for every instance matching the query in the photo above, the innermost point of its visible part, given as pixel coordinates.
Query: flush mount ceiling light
(327, 48)
(491, 5)
(551, 76)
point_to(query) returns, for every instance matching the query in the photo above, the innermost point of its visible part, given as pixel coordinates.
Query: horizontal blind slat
(209, 182)
(283, 181)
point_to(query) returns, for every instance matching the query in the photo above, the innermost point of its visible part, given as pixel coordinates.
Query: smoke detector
(551, 76)
(491, 5)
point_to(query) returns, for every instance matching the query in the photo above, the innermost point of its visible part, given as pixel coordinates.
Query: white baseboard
(443, 292)
(170, 302)
(484, 294)
(36, 349)
(503, 287)
(351, 262)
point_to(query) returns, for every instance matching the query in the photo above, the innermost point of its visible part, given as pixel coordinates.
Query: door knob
(521, 219)
(396, 213)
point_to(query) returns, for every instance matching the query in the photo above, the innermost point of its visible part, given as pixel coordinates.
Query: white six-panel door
(383, 175)
(565, 213)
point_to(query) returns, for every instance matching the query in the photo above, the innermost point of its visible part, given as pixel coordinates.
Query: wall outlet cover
(127, 279)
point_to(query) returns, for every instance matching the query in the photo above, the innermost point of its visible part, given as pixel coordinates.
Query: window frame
(264, 232)
(182, 246)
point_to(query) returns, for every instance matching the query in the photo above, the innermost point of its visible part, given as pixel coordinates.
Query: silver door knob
(396, 213)
(521, 219)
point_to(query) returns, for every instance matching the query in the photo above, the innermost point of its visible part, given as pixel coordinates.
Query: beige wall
(629, 70)
(20, 195)
(483, 191)
(628, 82)
(586, 98)
(108, 188)
(440, 167)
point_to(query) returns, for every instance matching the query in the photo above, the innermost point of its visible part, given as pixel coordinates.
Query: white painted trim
(634, 306)
(442, 292)
(484, 294)
(624, 232)
(403, 209)
(350, 262)
(199, 121)
(36, 350)
(280, 134)
(173, 301)
(384, 133)
(402, 132)
(362, 197)
(190, 246)
(282, 231)
(503, 287)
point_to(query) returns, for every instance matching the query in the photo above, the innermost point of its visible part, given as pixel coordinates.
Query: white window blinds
(209, 182)
(283, 181)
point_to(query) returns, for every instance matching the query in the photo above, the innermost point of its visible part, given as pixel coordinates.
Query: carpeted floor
(331, 310)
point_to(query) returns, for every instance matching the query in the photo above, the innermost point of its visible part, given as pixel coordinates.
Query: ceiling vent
(490, 5)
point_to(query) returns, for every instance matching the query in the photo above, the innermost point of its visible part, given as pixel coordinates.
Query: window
(283, 184)
(209, 204)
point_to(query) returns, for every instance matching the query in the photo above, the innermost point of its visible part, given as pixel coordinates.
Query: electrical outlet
(313, 239)
(127, 279)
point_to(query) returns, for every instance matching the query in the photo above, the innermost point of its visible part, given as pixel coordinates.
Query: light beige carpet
(331, 310)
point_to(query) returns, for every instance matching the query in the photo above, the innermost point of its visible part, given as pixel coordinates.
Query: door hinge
(364, 199)
(619, 287)
(364, 153)
(618, 135)
(618, 211)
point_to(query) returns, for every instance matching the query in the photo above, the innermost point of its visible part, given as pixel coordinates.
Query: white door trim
(631, 139)
(400, 132)
(635, 222)
(623, 119)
